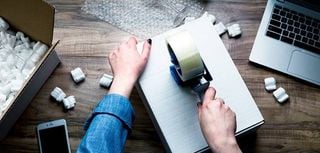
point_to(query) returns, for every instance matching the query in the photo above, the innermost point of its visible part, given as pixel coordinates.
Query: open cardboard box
(35, 19)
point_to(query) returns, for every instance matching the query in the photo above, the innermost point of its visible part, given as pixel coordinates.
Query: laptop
(288, 39)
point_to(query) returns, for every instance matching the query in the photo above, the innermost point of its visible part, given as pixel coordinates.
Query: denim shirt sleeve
(108, 126)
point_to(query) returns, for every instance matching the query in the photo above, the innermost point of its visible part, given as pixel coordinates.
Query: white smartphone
(53, 137)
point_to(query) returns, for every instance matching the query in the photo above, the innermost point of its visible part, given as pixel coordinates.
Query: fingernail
(150, 41)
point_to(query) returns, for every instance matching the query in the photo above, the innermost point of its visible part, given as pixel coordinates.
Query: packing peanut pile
(18, 58)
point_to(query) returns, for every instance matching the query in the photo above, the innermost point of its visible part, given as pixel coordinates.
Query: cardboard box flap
(35, 18)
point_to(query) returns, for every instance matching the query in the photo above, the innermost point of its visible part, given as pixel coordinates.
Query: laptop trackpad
(305, 65)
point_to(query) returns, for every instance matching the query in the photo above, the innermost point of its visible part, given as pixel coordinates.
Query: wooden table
(86, 42)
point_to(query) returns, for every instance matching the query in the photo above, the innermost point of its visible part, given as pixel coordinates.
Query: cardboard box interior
(35, 19)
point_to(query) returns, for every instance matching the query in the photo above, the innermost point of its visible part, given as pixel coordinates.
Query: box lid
(33, 17)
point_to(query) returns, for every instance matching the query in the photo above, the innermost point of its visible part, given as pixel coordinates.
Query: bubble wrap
(144, 18)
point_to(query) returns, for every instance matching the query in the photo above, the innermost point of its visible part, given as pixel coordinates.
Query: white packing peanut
(281, 95)
(7, 39)
(40, 48)
(11, 76)
(35, 57)
(210, 17)
(20, 36)
(4, 105)
(4, 52)
(106, 80)
(11, 40)
(234, 30)
(18, 74)
(77, 75)
(29, 64)
(3, 98)
(6, 89)
(3, 73)
(270, 83)
(43, 48)
(20, 47)
(58, 94)
(20, 63)
(11, 60)
(9, 100)
(69, 102)
(3, 25)
(18, 42)
(16, 85)
(220, 28)
(25, 54)
(27, 71)
(37, 45)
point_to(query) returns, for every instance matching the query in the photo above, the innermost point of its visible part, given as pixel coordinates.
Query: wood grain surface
(86, 42)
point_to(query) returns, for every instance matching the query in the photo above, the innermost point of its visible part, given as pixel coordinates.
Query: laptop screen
(312, 4)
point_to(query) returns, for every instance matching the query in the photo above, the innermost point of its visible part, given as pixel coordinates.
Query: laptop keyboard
(294, 28)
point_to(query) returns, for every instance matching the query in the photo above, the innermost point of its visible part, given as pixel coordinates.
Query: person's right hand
(218, 123)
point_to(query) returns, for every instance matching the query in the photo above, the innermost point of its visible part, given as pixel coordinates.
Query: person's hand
(127, 65)
(218, 123)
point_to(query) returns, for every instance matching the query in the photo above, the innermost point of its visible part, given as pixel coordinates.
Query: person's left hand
(127, 65)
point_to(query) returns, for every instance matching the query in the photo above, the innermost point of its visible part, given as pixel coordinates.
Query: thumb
(209, 95)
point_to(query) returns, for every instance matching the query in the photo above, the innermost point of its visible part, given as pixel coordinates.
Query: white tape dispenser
(188, 68)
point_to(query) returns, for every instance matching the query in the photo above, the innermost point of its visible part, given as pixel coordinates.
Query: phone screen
(53, 140)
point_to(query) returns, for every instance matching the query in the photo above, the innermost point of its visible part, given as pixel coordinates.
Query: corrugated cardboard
(35, 18)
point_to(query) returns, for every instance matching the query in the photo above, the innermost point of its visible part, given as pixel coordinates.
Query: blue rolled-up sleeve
(108, 126)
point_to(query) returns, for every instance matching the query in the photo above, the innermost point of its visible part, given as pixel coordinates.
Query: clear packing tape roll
(186, 59)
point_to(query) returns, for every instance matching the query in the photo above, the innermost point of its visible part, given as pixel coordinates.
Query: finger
(209, 95)
(146, 50)
(132, 42)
